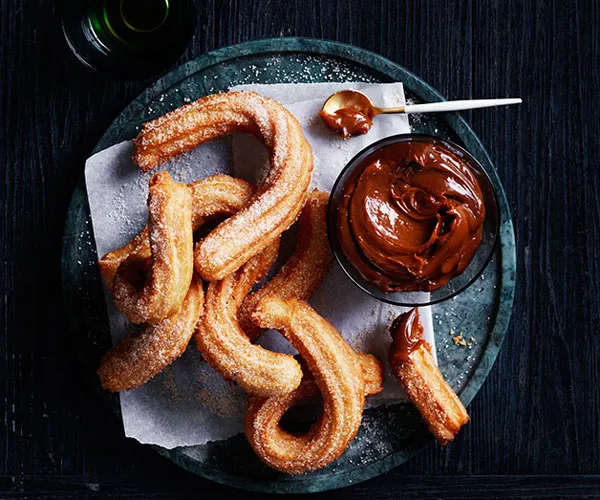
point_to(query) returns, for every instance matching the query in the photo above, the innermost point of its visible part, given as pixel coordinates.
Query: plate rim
(388, 68)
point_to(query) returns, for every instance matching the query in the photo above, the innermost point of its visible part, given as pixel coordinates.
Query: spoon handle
(434, 107)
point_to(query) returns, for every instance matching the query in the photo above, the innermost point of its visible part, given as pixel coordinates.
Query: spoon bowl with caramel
(413, 219)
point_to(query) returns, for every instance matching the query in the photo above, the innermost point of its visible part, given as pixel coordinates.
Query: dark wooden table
(535, 424)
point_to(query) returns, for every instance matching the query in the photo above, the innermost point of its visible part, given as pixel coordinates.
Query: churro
(151, 285)
(144, 354)
(225, 346)
(279, 199)
(215, 196)
(413, 365)
(304, 271)
(338, 375)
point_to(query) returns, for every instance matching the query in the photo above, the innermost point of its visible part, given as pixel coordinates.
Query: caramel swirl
(407, 335)
(411, 216)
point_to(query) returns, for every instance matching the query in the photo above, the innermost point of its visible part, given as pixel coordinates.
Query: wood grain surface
(535, 424)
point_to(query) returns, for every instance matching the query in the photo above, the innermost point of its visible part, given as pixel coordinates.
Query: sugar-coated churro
(338, 375)
(226, 347)
(304, 271)
(214, 196)
(150, 289)
(279, 199)
(142, 355)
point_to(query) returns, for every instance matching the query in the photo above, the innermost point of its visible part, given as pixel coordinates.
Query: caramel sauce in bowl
(413, 219)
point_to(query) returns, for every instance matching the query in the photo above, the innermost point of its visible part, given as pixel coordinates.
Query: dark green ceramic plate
(389, 435)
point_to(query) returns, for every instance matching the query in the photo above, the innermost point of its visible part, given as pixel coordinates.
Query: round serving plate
(389, 435)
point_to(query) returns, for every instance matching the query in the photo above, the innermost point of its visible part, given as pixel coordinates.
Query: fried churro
(215, 196)
(151, 285)
(144, 354)
(304, 271)
(279, 199)
(226, 347)
(338, 375)
(413, 365)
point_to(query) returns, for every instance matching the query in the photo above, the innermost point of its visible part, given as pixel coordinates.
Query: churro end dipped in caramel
(413, 366)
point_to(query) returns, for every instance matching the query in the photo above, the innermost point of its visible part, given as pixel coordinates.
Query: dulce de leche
(411, 216)
(347, 121)
(407, 335)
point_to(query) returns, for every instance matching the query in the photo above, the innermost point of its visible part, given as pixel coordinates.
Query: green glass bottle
(128, 38)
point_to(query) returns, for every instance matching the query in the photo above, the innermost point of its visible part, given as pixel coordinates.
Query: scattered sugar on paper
(225, 400)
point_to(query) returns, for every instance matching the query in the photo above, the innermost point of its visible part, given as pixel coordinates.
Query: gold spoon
(354, 99)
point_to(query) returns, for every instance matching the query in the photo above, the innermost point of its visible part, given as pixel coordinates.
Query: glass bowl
(459, 282)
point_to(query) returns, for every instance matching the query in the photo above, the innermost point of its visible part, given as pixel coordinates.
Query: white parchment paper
(189, 403)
